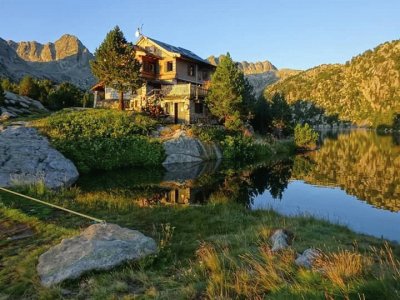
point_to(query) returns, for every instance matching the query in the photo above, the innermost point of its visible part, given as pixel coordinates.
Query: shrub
(64, 95)
(305, 137)
(110, 153)
(238, 147)
(91, 123)
(28, 87)
(103, 139)
(209, 133)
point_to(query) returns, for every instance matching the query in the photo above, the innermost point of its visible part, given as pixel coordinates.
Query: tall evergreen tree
(115, 64)
(230, 94)
(281, 115)
(262, 115)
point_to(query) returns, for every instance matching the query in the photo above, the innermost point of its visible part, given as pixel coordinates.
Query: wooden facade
(174, 78)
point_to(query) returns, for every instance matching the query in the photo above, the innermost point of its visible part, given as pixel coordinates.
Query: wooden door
(176, 112)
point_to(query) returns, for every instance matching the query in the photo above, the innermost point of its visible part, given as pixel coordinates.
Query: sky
(297, 34)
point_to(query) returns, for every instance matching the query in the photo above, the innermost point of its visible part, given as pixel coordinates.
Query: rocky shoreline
(26, 158)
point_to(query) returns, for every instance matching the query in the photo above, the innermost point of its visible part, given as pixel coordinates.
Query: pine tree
(281, 115)
(115, 64)
(230, 94)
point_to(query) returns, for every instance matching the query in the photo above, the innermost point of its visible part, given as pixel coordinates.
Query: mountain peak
(67, 45)
(66, 59)
(248, 68)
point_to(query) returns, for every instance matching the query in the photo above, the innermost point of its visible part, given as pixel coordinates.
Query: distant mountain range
(365, 90)
(67, 59)
(260, 74)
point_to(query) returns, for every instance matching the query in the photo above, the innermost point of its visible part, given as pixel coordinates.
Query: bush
(64, 95)
(103, 139)
(209, 133)
(110, 153)
(238, 147)
(91, 123)
(9, 86)
(28, 87)
(305, 137)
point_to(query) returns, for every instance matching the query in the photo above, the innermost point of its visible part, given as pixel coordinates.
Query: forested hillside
(365, 90)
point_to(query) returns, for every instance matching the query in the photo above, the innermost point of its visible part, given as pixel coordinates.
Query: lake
(352, 179)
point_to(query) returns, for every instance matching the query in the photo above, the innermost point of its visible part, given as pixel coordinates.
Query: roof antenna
(138, 32)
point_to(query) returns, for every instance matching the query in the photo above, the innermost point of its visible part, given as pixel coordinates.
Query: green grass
(210, 251)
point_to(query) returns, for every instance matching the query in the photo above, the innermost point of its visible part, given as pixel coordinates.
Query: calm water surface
(353, 179)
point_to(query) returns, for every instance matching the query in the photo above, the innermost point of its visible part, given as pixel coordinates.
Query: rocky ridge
(365, 90)
(260, 74)
(67, 59)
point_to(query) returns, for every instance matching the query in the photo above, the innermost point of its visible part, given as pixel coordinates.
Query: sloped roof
(182, 51)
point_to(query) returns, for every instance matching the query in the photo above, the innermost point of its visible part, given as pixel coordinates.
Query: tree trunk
(121, 104)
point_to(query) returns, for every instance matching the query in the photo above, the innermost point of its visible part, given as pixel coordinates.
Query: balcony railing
(183, 90)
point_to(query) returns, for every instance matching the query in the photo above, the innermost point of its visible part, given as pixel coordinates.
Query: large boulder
(183, 149)
(27, 158)
(17, 105)
(99, 247)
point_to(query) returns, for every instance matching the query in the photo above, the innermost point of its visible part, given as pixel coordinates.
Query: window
(149, 67)
(170, 66)
(205, 75)
(198, 108)
(191, 70)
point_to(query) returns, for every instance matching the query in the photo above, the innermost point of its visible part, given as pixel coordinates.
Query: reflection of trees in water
(243, 186)
(185, 184)
(362, 163)
(273, 178)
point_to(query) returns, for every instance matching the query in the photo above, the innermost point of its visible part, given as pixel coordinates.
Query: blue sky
(296, 34)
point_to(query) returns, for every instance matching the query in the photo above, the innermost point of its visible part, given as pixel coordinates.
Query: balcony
(189, 90)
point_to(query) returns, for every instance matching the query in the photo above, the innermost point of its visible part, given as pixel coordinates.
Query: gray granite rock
(17, 105)
(27, 158)
(99, 247)
(307, 258)
(183, 149)
(279, 240)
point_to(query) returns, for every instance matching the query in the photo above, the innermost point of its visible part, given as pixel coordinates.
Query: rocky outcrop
(16, 106)
(183, 149)
(99, 247)
(27, 158)
(67, 59)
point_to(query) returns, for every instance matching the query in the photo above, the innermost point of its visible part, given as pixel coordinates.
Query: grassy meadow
(219, 250)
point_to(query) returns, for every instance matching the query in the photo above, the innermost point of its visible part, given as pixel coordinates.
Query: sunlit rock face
(67, 59)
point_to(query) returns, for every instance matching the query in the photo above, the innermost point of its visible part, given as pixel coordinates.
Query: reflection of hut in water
(181, 180)
(186, 195)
